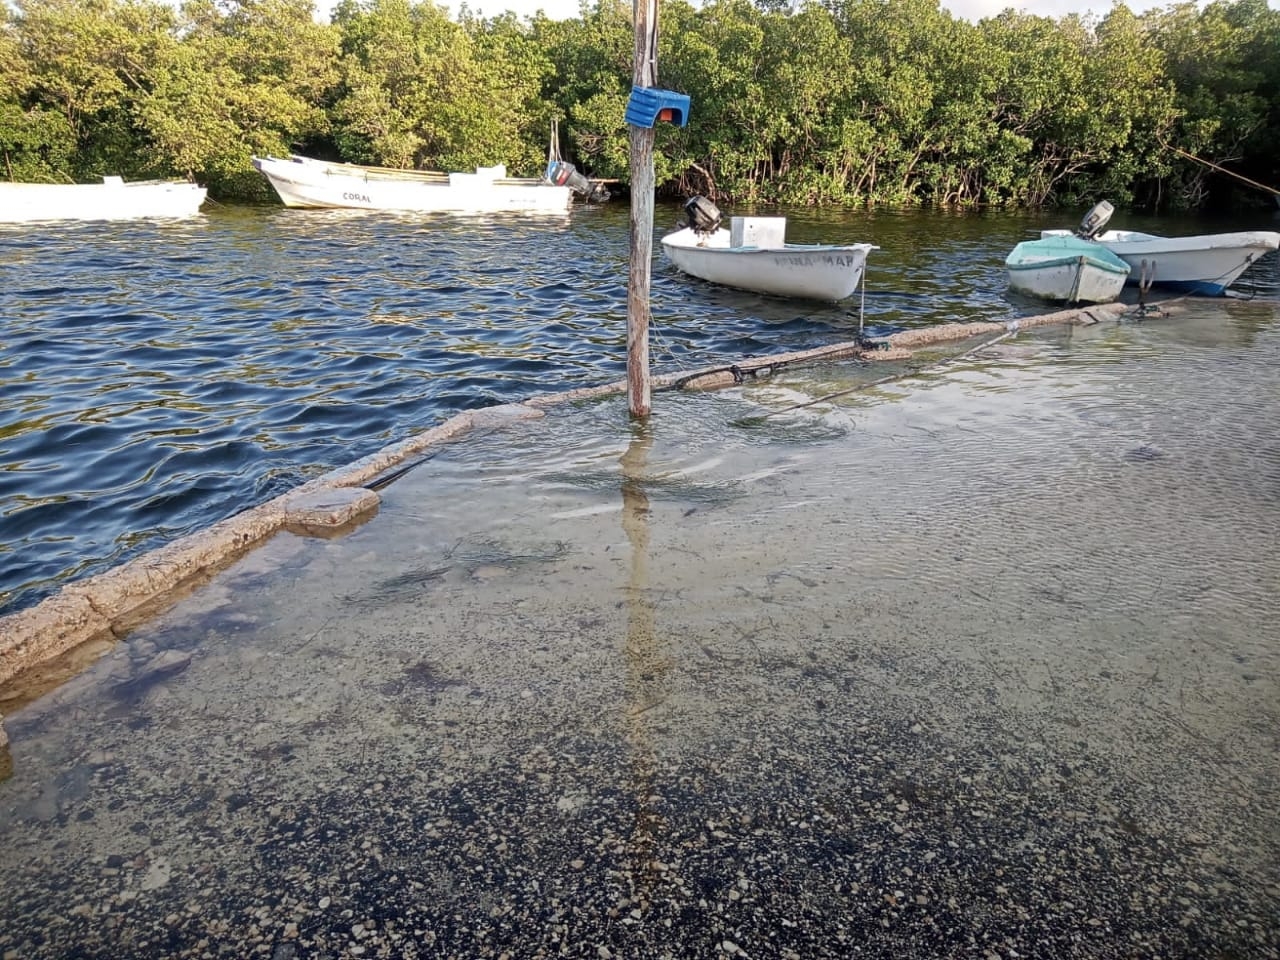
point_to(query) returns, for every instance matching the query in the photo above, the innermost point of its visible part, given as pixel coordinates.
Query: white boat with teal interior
(112, 199)
(1207, 264)
(753, 255)
(1069, 267)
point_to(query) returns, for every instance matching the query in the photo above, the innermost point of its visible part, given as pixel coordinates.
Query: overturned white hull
(303, 182)
(807, 271)
(113, 199)
(1207, 264)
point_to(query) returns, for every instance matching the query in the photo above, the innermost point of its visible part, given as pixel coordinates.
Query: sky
(968, 9)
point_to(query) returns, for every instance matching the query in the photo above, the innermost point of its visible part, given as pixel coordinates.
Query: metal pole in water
(645, 74)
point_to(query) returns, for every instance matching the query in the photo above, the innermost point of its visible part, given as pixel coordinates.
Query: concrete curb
(112, 603)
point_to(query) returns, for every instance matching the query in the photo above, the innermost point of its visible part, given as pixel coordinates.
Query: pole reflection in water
(6, 758)
(648, 668)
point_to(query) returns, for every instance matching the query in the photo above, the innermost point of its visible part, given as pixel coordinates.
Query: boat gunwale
(788, 248)
(366, 174)
(1069, 261)
(1137, 241)
(671, 241)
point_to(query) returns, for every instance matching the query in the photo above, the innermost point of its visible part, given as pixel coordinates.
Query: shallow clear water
(979, 661)
(159, 377)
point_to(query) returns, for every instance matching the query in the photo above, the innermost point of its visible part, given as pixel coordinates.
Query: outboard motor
(563, 173)
(1095, 220)
(704, 216)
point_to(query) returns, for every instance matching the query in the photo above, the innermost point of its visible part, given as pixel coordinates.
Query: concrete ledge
(329, 508)
(366, 468)
(495, 418)
(575, 396)
(330, 513)
(111, 603)
(46, 630)
(948, 332)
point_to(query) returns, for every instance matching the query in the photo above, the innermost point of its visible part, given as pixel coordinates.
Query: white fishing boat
(753, 255)
(304, 182)
(1207, 264)
(112, 199)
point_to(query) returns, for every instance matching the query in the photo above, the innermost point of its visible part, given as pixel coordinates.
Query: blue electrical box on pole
(649, 105)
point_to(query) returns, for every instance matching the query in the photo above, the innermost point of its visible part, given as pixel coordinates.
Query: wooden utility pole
(645, 74)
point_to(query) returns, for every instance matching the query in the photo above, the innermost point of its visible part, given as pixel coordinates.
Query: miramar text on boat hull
(304, 182)
(1066, 269)
(753, 255)
(1206, 264)
(113, 199)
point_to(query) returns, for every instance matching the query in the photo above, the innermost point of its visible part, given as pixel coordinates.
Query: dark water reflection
(159, 377)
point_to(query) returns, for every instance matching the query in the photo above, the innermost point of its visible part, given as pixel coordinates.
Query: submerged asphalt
(979, 664)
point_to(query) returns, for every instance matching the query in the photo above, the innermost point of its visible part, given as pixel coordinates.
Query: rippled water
(159, 377)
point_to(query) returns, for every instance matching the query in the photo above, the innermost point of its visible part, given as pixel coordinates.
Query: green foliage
(817, 101)
(248, 78)
(36, 144)
(589, 81)
(89, 63)
(421, 90)
(1224, 62)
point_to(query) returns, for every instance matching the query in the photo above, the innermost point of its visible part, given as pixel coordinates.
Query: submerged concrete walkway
(77, 620)
(974, 665)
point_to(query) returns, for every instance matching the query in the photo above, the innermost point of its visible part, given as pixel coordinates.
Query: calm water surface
(157, 378)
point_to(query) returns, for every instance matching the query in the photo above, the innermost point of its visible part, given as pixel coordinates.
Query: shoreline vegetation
(847, 102)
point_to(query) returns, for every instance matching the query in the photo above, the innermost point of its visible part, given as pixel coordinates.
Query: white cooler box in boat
(765, 233)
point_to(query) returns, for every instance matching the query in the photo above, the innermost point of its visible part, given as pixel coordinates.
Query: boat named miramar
(753, 255)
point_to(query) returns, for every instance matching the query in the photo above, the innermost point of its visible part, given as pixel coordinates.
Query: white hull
(302, 182)
(1206, 264)
(1072, 282)
(1066, 269)
(113, 199)
(807, 271)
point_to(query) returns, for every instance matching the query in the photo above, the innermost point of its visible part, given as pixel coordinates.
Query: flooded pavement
(981, 663)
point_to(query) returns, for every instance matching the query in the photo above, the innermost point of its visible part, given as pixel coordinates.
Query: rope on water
(897, 347)
(1219, 168)
(1145, 281)
(739, 375)
(1011, 331)
(766, 367)
(666, 346)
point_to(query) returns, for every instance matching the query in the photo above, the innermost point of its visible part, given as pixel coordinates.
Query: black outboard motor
(1095, 220)
(704, 216)
(563, 173)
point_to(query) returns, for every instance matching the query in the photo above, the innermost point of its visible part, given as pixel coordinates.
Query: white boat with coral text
(304, 182)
